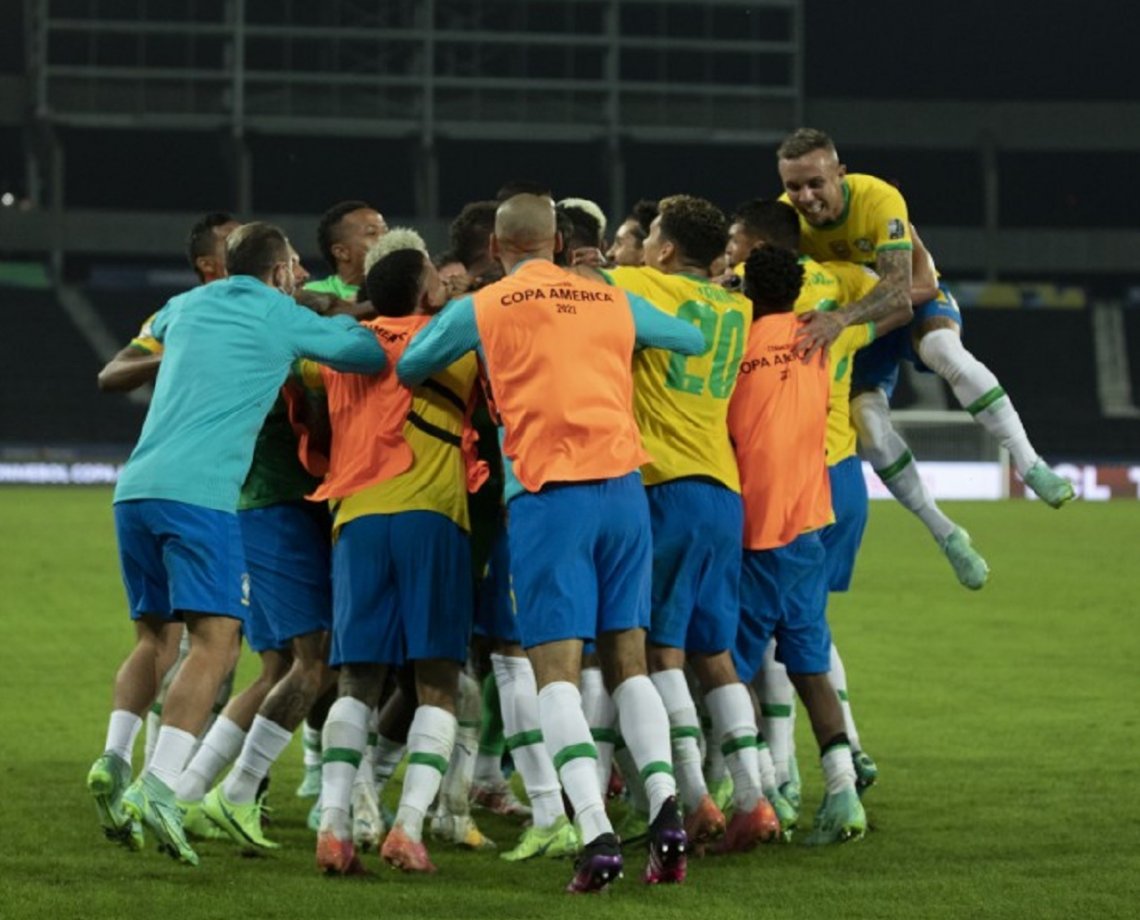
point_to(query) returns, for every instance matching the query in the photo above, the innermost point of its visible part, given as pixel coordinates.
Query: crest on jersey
(895, 229)
(840, 249)
(864, 245)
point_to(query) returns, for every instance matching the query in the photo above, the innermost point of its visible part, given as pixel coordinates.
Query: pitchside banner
(990, 481)
(947, 481)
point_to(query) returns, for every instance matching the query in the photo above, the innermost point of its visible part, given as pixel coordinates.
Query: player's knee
(871, 416)
(943, 352)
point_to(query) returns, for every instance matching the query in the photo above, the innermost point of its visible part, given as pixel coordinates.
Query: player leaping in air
(864, 219)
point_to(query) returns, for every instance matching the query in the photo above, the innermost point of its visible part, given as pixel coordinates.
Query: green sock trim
(986, 400)
(842, 695)
(658, 766)
(619, 745)
(605, 736)
(524, 739)
(775, 711)
(572, 752)
(761, 744)
(684, 731)
(472, 724)
(493, 750)
(373, 737)
(341, 755)
(156, 709)
(897, 467)
(435, 761)
(311, 745)
(732, 745)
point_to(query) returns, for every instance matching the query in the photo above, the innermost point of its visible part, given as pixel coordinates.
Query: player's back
(778, 421)
(681, 404)
(226, 351)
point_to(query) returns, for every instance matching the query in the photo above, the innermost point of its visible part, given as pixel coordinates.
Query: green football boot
(788, 814)
(632, 827)
(107, 780)
(1051, 488)
(840, 818)
(558, 840)
(866, 771)
(197, 825)
(967, 562)
(151, 802)
(241, 822)
(721, 792)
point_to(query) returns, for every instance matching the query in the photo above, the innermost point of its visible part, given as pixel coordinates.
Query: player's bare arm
(128, 370)
(924, 277)
(888, 306)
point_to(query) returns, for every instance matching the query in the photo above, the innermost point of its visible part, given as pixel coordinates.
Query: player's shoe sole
(460, 830)
(498, 799)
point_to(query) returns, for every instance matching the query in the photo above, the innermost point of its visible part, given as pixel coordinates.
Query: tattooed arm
(887, 306)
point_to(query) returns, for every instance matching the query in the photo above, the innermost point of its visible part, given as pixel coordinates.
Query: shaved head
(526, 223)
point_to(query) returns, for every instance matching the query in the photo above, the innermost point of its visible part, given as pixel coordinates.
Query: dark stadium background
(1013, 130)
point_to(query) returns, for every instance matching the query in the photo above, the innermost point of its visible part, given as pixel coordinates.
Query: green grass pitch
(1004, 724)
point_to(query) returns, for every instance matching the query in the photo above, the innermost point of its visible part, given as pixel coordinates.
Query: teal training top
(227, 348)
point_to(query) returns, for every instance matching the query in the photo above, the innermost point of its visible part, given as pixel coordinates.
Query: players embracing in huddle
(681, 492)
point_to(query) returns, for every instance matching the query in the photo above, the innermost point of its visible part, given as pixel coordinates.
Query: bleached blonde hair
(590, 207)
(393, 241)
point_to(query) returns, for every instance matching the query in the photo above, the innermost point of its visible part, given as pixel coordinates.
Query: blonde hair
(393, 241)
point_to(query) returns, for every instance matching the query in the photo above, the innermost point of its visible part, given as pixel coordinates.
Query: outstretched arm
(655, 329)
(451, 334)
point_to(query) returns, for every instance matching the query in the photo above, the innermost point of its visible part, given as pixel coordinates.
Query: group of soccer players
(678, 423)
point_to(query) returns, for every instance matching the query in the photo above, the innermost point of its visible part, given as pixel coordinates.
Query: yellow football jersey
(145, 340)
(874, 220)
(681, 404)
(437, 479)
(853, 282)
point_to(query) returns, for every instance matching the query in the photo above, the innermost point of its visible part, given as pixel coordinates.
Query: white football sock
(684, 730)
(601, 716)
(638, 800)
(518, 700)
(734, 732)
(572, 752)
(644, 725)
(171, 753)
(837, 676)
(122, 730)
(310, 746)
(218, 750)
(838, 769)
(430, 740)
(455, 791)
(893, 461)
(979, 392)
(343, 741)
(263, 745)
(777, 712)
(387, 756)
